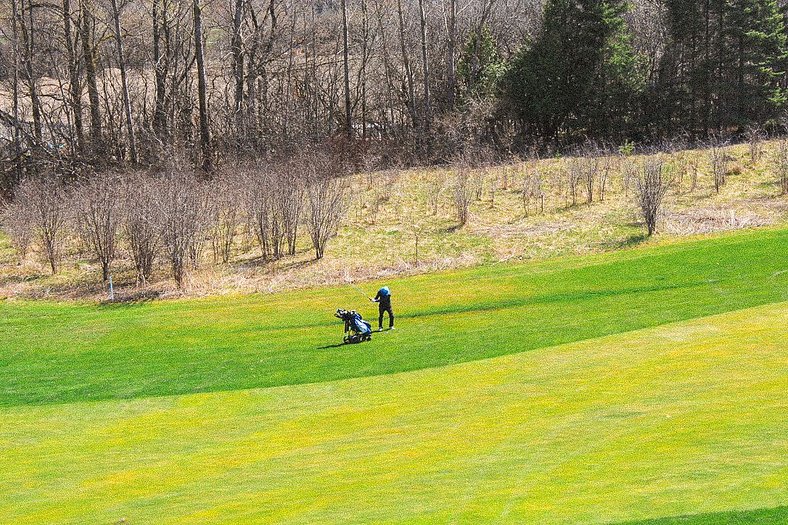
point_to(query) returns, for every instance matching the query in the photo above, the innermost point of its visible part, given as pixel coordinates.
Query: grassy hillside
(55, 353)
(685, 418)
(388, 210)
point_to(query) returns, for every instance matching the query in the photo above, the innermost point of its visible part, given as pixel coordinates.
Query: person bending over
(383, 298)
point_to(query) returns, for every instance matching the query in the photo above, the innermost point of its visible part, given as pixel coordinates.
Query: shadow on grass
(274, 265)
(136, 298)
(627, 242)
(340, 345)
(328, 347)
(297, 265)
(19, 279)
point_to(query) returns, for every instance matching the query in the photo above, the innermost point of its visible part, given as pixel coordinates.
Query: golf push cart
(357, 330)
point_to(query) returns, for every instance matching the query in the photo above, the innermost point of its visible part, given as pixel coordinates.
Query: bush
(652, 185)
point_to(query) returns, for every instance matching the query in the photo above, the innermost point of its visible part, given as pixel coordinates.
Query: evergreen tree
(757, 39)
(613, 110)
(723, 67)
(480, 66)
(580, 75)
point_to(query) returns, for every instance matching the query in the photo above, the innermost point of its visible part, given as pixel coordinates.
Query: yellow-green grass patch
(679, 419)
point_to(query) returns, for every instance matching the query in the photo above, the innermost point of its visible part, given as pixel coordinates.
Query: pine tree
(577, 70)
(756, 38)
(480, 66)
(620, 80)
(723, 67)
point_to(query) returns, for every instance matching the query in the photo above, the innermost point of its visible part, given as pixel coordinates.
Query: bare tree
(605, 166)
(260, 209)
(346, 73)
(463, 193)
(237, 51)
(87, 27)
(718, 159)
(225, 215)
(532, 191)
(755, 142)
(652, 185)
(434, 188)
(405, 55)
(451, 45)
(47, 203)
(202, 90)
(574, 176)
(28, 30)
(781, 164)
(124, 82)
(290, 203)
(182, 204)
(98, 217)
(326, 204)
(142, 224)
(629, 172)
(74, 81)
(17, 221)
(426, 119)
(587, 168)
(15, 92)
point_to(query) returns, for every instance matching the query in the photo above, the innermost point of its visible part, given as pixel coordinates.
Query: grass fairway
(684, 418)
(742, 517)
(58, 353)
(647, 385)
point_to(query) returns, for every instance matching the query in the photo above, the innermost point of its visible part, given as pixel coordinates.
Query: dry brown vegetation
(251, 229)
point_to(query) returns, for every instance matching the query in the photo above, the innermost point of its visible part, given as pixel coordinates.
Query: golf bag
(357, 330)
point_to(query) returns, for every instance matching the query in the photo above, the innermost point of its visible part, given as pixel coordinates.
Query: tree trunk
(346, 65)
(28, 33)
(15, 93)
(90, 76)
(124, 83)
(238, 70)
(160, 69)
(202, 91)
(411, 102)
(425, 69)
(706, 71)
(451, 65)
(363, 72)
(74, 87)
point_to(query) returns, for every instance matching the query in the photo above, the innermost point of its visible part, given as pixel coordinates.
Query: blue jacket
(384, 297)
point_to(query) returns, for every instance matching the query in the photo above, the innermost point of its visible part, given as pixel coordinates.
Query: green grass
(638, 385)
(685, 418)
(57, 353)
(744, 517)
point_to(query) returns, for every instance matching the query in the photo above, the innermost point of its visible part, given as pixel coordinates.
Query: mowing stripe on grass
(774, 516)
(53, 353)
(683, 418)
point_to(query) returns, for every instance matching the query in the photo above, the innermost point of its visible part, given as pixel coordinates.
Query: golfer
(383, 298)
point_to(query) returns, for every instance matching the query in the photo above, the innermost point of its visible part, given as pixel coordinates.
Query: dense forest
(89, 85)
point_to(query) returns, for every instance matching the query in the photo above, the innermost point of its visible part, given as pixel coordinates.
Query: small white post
(111, 290)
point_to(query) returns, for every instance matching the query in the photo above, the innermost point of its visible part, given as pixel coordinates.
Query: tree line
(176, 216)
(177, 220)
(106, 84)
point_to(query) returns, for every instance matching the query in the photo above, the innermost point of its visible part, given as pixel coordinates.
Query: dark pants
(385, 309)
